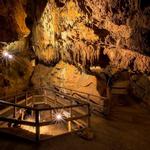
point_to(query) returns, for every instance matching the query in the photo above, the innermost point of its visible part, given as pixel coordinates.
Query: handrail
(17, 121)
(90, 100)
(40, 109)
(57, 89)
(60, 107)
(70, 97)
(19, 93)
(81, 92)
(37, 123)
(16, 105)
(49, 88)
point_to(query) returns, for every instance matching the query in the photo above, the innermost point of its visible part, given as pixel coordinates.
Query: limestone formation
(111, 35)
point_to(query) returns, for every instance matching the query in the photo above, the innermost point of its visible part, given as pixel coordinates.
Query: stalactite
(84, 58)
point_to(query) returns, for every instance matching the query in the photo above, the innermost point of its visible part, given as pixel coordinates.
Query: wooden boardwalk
(79, 114)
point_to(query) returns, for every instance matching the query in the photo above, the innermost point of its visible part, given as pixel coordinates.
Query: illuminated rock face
(44, 30)
(16, 72)
(85, 34)
(64, 75)
(12, 21)
(107, 34)
(81, 32)
(90, 28)
(126, 59)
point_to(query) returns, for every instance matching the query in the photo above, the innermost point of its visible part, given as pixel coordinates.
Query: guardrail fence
(41, 111)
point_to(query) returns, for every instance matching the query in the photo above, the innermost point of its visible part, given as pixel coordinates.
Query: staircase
(120, 88)
(76, 114)
(133, 113)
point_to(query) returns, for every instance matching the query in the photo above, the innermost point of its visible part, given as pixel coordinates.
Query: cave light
(58, 117)
(10, 56)
(7, 55)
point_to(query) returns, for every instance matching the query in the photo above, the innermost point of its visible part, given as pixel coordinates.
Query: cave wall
(44, 30)
(91, 33)
(110, 35)
(64, 75)
(12, 18)
(15, 73)
(14, 38)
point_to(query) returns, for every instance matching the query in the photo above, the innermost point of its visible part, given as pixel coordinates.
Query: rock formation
(77, 36)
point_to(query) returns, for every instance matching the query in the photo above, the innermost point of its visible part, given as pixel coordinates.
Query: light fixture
(10, 56)
(58, 117)
(7, 55)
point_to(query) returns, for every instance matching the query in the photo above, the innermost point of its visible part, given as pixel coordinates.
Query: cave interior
(95, 52)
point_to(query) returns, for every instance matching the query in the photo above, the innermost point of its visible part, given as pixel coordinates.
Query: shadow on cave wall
(140, 39)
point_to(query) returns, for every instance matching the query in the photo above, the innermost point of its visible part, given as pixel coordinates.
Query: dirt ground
(127, 129)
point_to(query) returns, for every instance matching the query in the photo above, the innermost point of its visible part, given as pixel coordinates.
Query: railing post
(69, 126)
(70, 122)
(14, 112)
(37, 121)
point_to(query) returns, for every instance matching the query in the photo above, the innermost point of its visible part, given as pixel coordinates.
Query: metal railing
(8, 113)
(97, 103)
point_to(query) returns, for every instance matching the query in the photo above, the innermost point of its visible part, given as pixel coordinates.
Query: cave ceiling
(84, 33)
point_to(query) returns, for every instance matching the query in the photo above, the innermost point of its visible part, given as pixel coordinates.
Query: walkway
(128, 129)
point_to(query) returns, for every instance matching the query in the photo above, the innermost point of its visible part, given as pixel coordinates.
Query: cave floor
(128, 128)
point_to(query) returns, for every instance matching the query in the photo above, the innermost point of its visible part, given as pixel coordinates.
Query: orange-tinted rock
(109, 34)
(126, 59)
(67, 76)
(44, 30)
(12, 18)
